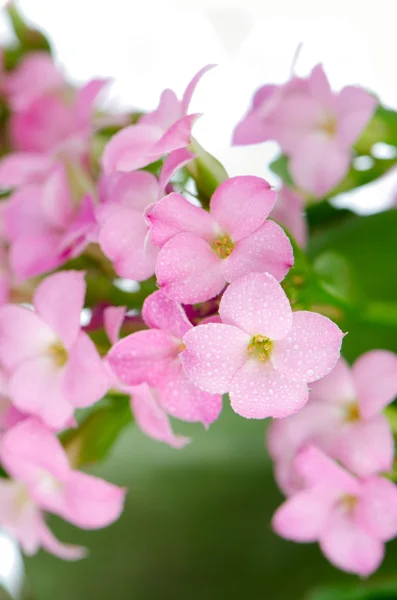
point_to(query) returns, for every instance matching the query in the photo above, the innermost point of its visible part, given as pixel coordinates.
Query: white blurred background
(148, 45)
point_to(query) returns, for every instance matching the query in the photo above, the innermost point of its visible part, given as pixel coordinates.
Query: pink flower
(201, 252)
(157, 134)
(350, 518)
(262, 353)
(343, 418)
(44, 481)
(289, 212)
(315, 127)
(153, 356)
(54, 367)
(149, 413)
(46, 224)
(123, 231)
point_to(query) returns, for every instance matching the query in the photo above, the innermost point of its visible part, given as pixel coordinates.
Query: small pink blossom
(201, 252)
(343, 418)
(289, 212)
(315, 127)
(262, 353)
(157, 134)
(350, 518)
(53, 366)
(153, 356)
(44, 481)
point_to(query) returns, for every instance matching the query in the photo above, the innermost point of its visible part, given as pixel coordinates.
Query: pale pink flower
(54, 367)
(157, 134)
(315, 127)
(46, 225)
(201, 252)
(289, 212)
(350, 518)
(149, 413)
(344, 418)
(44, 481)
(262, 354)
(153, 356)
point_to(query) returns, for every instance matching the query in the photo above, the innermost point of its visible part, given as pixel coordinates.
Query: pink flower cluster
(349, 508)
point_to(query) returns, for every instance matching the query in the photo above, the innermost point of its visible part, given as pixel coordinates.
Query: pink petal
(160, 312)
(58, 205)
(289, 212)
(318, 469)
(34, 255)
(23, 335)
(320, 88)
(268, 249)
(131, 190)
(85, 100)
(376, 511)
(241, 204)
(23, 215)
(349, 547)
(175, 161)
(258, 391)
(129, 149)
(167, 112)
(90, 502)
(64, 551)
(85, 378)
(311, 349)
(375, 379)
(23, 167)
(188, 270)
(151, 417)
(122, 237)
(183, 400)
(49, 301)
(113, 317)
(319, 164)
(337, 387)
(302, 518)
(174, 214)
(354, 107)
(30, 446)
(257, 304)
(187, 96)
(252, 129)
(35, 389)
(214, 353)
(143, 356)
(366, 447)
(177, 136)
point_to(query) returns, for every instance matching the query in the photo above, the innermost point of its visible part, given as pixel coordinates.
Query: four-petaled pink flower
(157, 134)
(42, 480)
(350, 518)
(262, 353)
(54, 367)
(201, 252)
(315, 127)
(153, 356)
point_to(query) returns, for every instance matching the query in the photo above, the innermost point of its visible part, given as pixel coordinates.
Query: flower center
(223, 245)
(329, 126)
(352, 412)
(58, 353)
(348, 502)
(260, 347)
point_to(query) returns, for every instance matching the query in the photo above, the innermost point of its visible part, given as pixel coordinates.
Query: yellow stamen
(223, 245)
(58, 353)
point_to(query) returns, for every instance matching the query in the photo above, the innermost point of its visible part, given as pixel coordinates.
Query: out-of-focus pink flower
(157, 134)
(343, 418)
(201, 252)
(44, 481)
(262, 354)
(46, 225)
(350, 518)
(153, 356)
(289, 212)
(53, 366)
(315, 127)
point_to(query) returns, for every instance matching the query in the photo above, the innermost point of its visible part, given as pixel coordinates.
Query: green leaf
(280, 168)
(98, 430)
(29, 38)
(379, 591)
(381, 128)
(206, 171)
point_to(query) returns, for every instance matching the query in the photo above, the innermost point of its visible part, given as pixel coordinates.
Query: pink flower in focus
(201, 252)
(157, 134)
(153, 356)
(343, 418)
(149, 413)
(262, 354)
(289, 212)
(54, 367)
(350, 518)
(44, 481)
(315, 127)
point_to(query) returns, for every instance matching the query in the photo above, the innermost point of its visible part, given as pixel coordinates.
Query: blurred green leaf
(381, 128)
(380, 591)
(280, 168)
(335, 272)
(29, 38)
